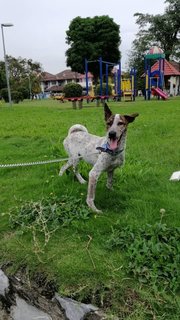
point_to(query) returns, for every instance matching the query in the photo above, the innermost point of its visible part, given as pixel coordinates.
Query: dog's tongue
(113, 144)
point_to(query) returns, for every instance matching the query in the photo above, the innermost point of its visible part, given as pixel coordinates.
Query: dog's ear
(131, 117)
(107, 112)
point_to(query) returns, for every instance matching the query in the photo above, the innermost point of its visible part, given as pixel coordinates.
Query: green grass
(89, 271)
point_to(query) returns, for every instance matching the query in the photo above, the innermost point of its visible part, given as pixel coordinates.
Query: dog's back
(79, 142)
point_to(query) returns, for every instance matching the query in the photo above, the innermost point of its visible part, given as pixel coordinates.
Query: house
(171, 76)
(53, 84)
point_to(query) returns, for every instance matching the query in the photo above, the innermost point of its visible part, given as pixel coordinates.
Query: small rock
(73, 309)
(22, 310)
(4, 283)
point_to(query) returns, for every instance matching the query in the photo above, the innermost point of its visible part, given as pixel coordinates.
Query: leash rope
(35, 163)
(28, 164)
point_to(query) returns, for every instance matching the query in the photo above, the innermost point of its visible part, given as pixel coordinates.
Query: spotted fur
(80, 144)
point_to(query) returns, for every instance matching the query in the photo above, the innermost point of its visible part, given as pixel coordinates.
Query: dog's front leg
(109, 179)
(93, 178)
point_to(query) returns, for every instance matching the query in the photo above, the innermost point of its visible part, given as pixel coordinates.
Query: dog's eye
(120, 123)
(109, 123)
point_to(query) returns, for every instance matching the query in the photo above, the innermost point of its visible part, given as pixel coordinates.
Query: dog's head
(116, 126)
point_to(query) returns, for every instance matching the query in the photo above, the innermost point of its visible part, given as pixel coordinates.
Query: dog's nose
(112, 135)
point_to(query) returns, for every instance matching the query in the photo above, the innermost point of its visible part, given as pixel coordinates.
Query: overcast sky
(40, 26)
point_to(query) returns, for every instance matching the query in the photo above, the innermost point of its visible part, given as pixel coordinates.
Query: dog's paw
(82, 181)
(109, 186)
(92, 206)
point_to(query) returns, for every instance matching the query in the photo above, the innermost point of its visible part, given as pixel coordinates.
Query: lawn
(91, 257)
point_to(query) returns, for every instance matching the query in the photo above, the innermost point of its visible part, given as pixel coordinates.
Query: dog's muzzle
(112, 135)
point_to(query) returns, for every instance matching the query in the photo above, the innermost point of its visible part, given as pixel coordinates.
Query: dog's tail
(77, 128)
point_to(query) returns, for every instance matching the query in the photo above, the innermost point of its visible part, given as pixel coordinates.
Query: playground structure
(121, 88)
(128, 86)
(154, 80)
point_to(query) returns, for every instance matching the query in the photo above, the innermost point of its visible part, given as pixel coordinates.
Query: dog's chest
(114, 161)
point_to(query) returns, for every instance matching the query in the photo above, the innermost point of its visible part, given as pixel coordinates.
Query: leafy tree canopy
(161, 30)
(23, 73)
(2, 75)
(92, 38)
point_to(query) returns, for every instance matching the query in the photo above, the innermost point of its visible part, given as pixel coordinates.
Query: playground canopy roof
(155, 56)
(155, 53)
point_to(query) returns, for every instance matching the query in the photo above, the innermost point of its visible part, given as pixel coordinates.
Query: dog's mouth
(114, 139)
(113, 143)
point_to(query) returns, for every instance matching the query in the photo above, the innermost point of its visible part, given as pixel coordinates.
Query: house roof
(169, 68)
(67, 74)
(176, 65)
(46, 76)
(83, 76)
(64, 75)
(54, 89)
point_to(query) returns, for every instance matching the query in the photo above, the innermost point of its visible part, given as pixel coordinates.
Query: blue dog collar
(105, 148)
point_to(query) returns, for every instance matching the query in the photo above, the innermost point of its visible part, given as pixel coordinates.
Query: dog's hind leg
(79, 177)
(72, 163)
(77, 174)
(66, 166)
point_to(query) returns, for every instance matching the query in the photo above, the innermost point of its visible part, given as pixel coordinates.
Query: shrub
(17, 96)
(72, 90)
(25, 92)
(4, 94)
(97, 91)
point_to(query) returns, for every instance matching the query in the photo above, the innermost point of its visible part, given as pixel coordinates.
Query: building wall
(174, 85)
(48, 84)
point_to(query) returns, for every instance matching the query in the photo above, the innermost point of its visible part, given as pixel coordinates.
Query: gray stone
(4, 283)
(22, 310)
(73, 309)
(36, 306)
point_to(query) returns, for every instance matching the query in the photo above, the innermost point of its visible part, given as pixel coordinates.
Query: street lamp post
(4, 25)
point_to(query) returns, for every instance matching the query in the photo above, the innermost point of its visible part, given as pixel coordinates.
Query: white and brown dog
(104, 153)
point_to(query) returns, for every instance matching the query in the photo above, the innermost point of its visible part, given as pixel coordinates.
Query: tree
(24, 75)
(161, 30)
(92, 38)
(2, 75)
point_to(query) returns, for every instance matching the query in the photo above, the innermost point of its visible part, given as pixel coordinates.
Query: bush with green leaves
(152, 252)
(4, 94)
(97, 91)
(17, 96)
(72, 90)
(24, 91)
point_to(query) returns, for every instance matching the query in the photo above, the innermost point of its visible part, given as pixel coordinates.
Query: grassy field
(87, 254)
